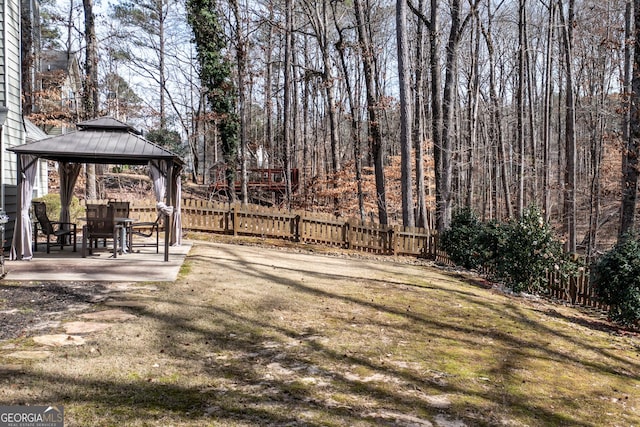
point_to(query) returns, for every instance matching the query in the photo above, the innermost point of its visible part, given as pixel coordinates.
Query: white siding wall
(10, 95)
(13, 129)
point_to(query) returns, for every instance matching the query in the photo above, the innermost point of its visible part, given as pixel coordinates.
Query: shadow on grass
(254, 369)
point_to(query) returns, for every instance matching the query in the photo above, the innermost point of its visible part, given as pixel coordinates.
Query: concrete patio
(144, 265)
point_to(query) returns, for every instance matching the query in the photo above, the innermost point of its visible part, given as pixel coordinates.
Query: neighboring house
(12, 132)
(57, 90)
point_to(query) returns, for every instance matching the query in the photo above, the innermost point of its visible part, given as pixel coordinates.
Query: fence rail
(253, 220)
(238, 219)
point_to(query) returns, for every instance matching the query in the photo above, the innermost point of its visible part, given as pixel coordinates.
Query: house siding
(10, 96)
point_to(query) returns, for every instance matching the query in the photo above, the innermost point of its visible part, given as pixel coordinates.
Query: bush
(460, 240)
(76, 210)
(527, 250)
(616, 278)
(518, 253)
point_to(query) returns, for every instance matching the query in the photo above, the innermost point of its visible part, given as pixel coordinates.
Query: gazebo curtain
(68, 176)
(21, 244)
(176, 236)
(159, 170)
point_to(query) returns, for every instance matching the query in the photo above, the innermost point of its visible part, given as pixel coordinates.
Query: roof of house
(33, 132)
(104, 140)
(53, 60)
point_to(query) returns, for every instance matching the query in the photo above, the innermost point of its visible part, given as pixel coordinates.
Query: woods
(394, 111)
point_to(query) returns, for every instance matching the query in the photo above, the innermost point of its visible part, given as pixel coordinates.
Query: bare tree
(568, 22)
(90, 92)
(632, 144)
(408, 217)
(373, 107)
(418, 123)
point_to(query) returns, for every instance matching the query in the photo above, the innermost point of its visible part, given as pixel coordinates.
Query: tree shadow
(257, 369)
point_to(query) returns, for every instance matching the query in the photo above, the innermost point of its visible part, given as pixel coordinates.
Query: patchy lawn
(251, 335)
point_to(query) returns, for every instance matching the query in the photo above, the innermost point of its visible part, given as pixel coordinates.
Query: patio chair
(62, 231)
(147, 229)
(100, 226)
(120, 209)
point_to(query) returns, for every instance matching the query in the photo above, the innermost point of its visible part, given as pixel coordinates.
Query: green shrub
(459, 241)
(527, 250)
(518, 253)
(616, 278)
(490, 243)
(76, 210)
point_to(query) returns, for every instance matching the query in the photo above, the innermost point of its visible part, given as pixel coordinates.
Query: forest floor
(253, 333)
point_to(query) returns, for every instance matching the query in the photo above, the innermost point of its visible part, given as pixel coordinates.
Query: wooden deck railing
(320, 228)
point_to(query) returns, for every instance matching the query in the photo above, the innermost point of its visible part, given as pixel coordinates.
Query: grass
(255, 336)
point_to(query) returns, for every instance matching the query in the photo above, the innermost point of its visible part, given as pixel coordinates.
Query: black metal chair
(62, 231)
(100, 225)
(147, 229)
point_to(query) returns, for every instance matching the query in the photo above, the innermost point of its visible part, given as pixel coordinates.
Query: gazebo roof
(103, 140)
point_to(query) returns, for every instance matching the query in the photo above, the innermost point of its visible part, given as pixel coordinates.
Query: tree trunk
(241, 58)
(90, 94)
(570, 132)
(546, 118)
(632, 145)
(353, 113)
(408, 217)
(288, 70)
(418, 132)
(501, 171)
(372, 110)
(520, 105)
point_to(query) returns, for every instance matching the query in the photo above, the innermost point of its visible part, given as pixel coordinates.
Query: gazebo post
(17, 230)
(168, 226)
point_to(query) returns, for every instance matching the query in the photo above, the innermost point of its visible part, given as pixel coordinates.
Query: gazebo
(102, 141)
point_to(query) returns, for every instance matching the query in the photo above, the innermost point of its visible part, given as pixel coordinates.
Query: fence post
(391, 239)
(234, 219)
(394, 240)
(573, 289)
(296, 228)
(346, 231)
(433, 247)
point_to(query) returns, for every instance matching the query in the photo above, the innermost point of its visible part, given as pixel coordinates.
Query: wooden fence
(325, 229)
(575, 290)
(251, 220)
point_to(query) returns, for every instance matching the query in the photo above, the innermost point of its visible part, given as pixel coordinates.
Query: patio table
(125, 233)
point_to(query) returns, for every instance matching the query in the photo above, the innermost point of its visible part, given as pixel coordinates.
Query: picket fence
(325, 229)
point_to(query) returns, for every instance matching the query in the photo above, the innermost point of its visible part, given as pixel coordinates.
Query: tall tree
(520, 95)
(90, 89)
(318, 13)
(216, 77)
(373, 106)
(241, 66)
(341, 46)
(418, 123)
(142, 33)
(431, 22)
(408, 217)
(568, 23)
(456, 30)
(547, 110)
(632, 144)
(288, 96)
